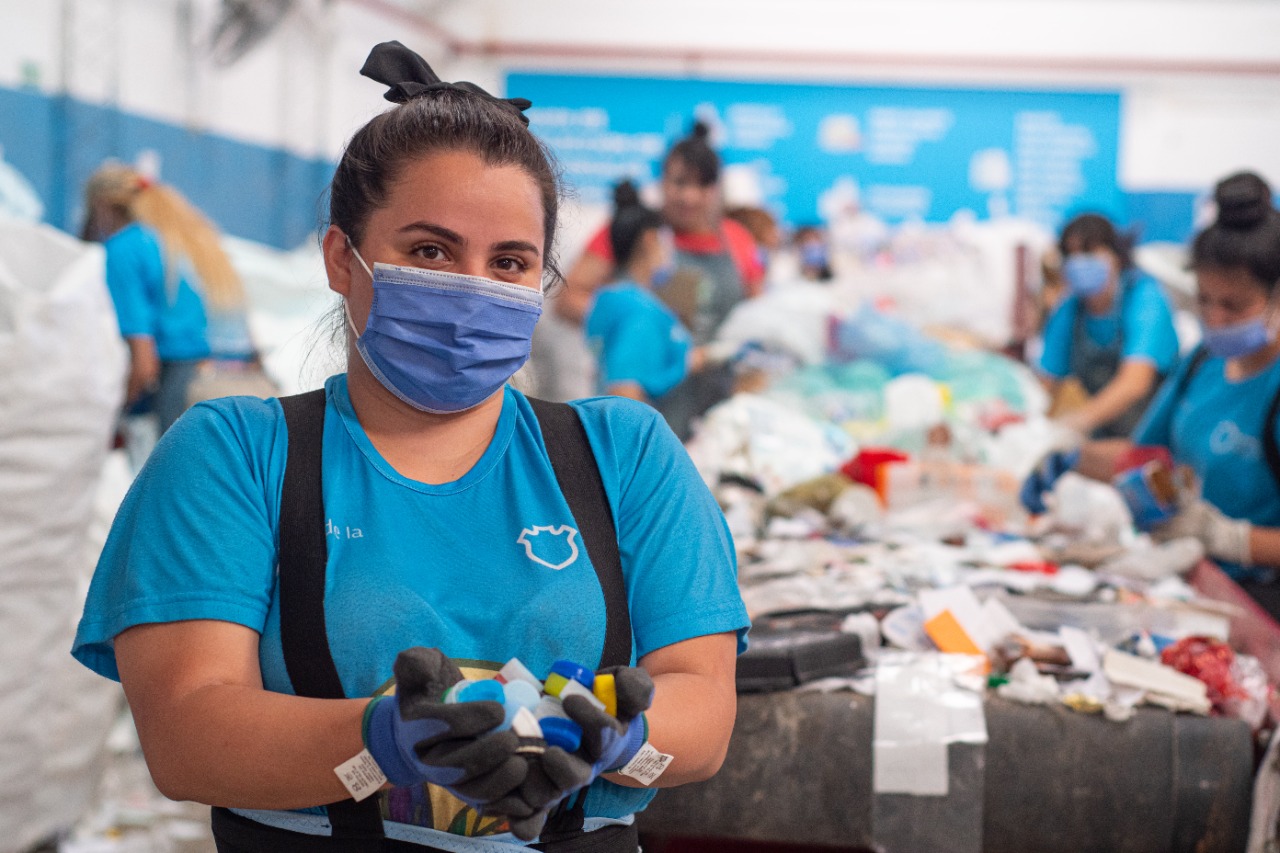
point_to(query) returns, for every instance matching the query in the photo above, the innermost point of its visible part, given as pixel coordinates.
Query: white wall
(1201, 78)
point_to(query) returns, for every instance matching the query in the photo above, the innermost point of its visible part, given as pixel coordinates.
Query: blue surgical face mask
(1086, 275)
(444, 342)
(1237, 340)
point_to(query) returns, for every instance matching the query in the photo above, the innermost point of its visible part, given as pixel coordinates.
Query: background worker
(1113, 333)
(717, 266)
(642, 349)
(177, 297)
(1217, 413)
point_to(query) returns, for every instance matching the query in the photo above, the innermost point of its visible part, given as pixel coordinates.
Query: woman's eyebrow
(438, 230)
(516, 246)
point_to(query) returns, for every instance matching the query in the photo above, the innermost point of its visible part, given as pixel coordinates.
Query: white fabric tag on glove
(646, 765)
(361, 775)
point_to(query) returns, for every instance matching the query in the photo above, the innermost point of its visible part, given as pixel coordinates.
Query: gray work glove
(1225, 539)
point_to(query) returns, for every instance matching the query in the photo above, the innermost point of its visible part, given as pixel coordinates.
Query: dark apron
(720, 288)
(1095, 365)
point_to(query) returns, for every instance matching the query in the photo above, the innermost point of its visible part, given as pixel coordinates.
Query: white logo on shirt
(552, 541)
(1227, 439)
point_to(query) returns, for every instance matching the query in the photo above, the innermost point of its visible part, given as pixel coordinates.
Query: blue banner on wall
(899, 152)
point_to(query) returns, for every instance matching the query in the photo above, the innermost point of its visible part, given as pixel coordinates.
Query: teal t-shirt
(1144, 317)
(636, 338)
(1215, 427)
(151, 303)
(486, 568)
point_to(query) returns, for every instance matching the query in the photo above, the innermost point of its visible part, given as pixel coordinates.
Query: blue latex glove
(1041, 479)
(416, 738)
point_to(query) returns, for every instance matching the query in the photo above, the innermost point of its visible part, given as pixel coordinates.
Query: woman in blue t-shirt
(1217, 412)
(1113, 333)
(438, 540)
(642, 349)
(178, 299)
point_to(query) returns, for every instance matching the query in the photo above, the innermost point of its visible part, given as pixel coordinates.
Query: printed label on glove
(646, 765)
(361, 775)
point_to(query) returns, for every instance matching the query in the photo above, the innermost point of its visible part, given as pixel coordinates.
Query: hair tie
(409, 76)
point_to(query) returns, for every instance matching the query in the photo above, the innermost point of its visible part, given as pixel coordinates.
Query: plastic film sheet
(928, 752)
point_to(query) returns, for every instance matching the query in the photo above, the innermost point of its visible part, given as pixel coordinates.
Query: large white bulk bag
(62, 366)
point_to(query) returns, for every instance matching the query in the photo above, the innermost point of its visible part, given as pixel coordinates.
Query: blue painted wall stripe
(250, 191)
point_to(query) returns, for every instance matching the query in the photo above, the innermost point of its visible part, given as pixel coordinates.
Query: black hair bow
(409, 77)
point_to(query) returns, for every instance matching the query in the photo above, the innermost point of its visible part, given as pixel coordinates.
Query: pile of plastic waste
(881, 481)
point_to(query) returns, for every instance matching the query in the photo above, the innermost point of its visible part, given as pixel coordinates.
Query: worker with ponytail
(177, 297)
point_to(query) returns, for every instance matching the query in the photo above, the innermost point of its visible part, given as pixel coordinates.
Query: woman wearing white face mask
(318, 570)
(1218, 412)
(1113, 333)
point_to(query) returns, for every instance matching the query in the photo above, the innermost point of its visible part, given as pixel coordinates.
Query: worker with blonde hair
(177, 297)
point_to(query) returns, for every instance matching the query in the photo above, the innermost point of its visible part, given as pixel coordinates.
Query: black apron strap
(579, 479)
(303, 557)
(1269, 446)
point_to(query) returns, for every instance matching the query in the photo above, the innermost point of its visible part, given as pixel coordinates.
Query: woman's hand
(1226, 539)
(415, 737)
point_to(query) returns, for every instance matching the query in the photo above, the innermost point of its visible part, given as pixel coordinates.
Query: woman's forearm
(212, 734)
(1129, 386)
(1098, 458)
(693, 709)
(235, 746)
(1264, 546)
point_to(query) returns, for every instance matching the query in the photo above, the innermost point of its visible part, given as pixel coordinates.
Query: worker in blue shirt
(178, 299)
(449, 542)
(1113, 333)
(1217, 413)
(642, 349)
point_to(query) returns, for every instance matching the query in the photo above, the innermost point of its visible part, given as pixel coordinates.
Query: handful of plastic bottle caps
(533, 708)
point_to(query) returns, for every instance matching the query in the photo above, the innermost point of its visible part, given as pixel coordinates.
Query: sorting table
(799, 772)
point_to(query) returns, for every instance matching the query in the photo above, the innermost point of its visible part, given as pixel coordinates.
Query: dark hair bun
(1244, 200)
(625, 194)
(700, 130)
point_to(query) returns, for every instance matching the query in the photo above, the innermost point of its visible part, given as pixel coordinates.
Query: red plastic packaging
(1210, 661)
(867, 467)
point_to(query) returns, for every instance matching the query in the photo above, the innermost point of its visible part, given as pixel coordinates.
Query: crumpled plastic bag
(793, 319)
(1146, 560)
(890, 341)
(767, 442)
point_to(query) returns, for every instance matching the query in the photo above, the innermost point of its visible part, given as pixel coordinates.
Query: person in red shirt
(706, 242)
(718, 265)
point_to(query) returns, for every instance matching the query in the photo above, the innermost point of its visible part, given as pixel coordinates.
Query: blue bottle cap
(487, 690)
(574, 672)
(557, 731)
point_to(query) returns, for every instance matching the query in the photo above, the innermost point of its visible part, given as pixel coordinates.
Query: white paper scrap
(1080, 647)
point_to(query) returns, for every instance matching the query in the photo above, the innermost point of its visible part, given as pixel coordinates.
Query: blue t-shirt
(1215, 427)
(150, 302)
(636, 338)
(1143, 315)
(486, 568)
